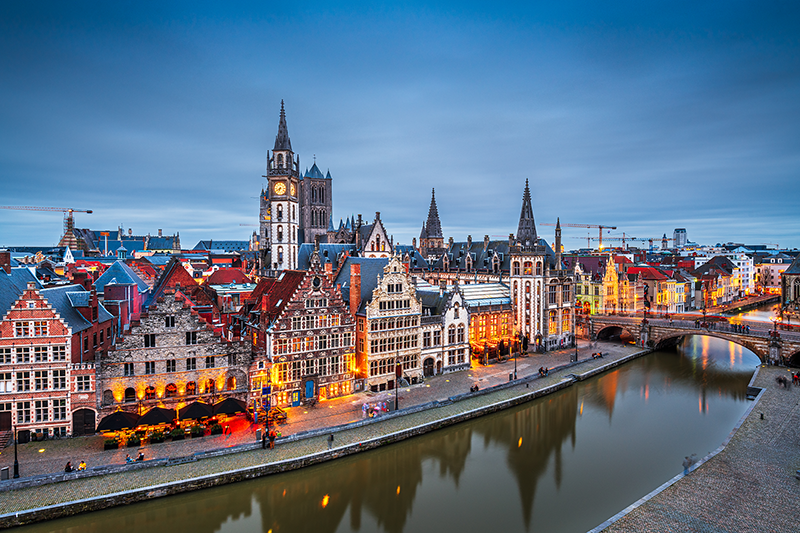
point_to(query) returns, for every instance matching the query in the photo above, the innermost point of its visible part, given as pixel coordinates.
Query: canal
(565, 462)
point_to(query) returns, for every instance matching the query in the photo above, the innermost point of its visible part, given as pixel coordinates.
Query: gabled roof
(120, 273)
(225, 276)
(648, 273)
(371, 273)
(174, 274)
(12, 285)
(66, 299)
(416, 261)
(794, 268)
(272, 294)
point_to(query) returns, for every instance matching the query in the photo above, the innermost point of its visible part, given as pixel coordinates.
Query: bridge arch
(673, 338)
(616, 332)
(794, 359)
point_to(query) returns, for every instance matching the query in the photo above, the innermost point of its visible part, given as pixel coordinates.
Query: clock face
(280, 188)
(292, 190)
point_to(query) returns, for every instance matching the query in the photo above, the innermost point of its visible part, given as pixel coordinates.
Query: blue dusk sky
(644, 115)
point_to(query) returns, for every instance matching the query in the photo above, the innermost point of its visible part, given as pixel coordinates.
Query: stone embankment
(62, 495)
(749, 484)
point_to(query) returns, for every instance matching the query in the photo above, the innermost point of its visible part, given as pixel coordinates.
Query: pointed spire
(282, 141)
(526, 231)
(330, 223)
(433, 227)
(558, 243)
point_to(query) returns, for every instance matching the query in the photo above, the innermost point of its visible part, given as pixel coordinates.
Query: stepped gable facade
(171, 356)
(35, 366)
(303, 336)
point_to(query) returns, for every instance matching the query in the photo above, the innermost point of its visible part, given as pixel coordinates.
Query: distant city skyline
(625, 114)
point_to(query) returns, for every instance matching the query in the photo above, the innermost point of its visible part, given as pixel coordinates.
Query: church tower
(280, 209)
(431, 240)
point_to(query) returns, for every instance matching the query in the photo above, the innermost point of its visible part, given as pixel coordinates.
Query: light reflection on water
(565, 462)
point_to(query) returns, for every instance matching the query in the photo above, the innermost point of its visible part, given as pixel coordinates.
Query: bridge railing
(745, 328)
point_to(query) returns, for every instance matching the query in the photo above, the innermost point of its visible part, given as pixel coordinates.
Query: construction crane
(600, 227)
(624, 238)
(68, 238)
(663, 240)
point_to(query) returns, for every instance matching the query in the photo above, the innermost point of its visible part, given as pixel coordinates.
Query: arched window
(455, 310)
(280, 212)
(373, 246)
(211, 387)
(461, 333)
(191, 388)
(451, 334)
(170, 391)
(313, 218)
(527, 268)
(231, 383)
(130, 395)
(280, 233)
(280, 254)
(538, 268)
(150, 393)
(280, 160)
(383, 246)
(322, 194)
(313, 194)
(108, 397)
(294, 215)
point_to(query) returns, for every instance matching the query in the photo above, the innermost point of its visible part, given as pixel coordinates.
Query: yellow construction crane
(68, 238)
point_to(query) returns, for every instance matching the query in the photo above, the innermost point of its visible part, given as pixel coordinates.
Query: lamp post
(519, 347)
(16, 460)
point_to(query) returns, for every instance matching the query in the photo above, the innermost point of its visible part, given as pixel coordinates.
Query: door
(295, 398)
(427, 367)
(309, 389)
(83, 422)
(5, 421)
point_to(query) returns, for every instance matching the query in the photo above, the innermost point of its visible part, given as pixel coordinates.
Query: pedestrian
(330, 441)
(264, 440)
(69, 468)
(686, 464)
(82, 466)
(272, 440)
(364, 410)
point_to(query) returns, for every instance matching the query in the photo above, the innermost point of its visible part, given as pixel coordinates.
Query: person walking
(330, 441)
(272, 440)
(364, 410)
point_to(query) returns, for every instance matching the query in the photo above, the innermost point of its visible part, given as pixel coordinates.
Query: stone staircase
(5, 438)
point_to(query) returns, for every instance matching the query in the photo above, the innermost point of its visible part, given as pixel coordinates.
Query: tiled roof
(328, 253)
(648, 273)
(12, 285)
(65, 299)
(225, 276)
(225, 246)
(119, 273)
(275, 295)
(314, 173)
(794, 268)
(371, 272)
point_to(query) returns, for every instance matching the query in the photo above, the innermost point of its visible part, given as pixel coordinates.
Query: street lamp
(16, 460)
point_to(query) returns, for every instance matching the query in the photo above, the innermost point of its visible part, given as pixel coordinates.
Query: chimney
(442, 286)
(510, 239)
(377, 215)
(329, 267)
(450, 241)
(5, 261)
(130, 232)
(469, 242)
(159, 232)
(414, 242)
(485, 242)
(355, 288)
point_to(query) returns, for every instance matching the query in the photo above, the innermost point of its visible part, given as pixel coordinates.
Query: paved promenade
(749, 486)
(154, 478)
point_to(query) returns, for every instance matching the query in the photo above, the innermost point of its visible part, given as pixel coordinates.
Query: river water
(565, 462)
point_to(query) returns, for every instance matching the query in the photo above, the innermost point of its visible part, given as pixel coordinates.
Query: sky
(647, 116)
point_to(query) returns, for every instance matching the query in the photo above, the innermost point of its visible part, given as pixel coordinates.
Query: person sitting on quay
(82, 466)
(69, 468)
(140, 457)
(128, 459)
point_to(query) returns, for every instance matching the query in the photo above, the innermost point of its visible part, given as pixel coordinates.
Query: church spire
(526, 232)
(282, 141)
(433, 227)
(558, 243)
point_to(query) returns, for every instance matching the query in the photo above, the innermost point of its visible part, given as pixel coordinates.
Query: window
(40, 380)
(516, 268)
(565, 294)
(150, 393)
(59, 379)
(40, 328)
(210, 361)
(23, 381)
(538, 268)
(128, 369)
(42, 410)
(231, 359)
(437, 337)
(60, 410)
(40, 354)
(149, 367)
(94, 340)
(101, 336)
(172, 364)
(451, 335)
(5, 356)
(191, 364)
(551, 294)
(59, 353)
(86, 344)
(23, 354)
(5, 382)
(169, 321)
(23, 412)
(461, 333)
(191, 337)
(149, 340)
(83, 383)
(21, 329)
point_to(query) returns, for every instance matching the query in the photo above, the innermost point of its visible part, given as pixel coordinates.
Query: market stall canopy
(230, 406)
(156, 416)
(195, 411)
(117, 421)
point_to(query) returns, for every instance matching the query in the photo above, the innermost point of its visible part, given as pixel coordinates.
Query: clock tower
(280, 209)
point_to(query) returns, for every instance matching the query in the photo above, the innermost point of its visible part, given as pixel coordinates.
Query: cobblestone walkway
(78, 489)
(750, 486)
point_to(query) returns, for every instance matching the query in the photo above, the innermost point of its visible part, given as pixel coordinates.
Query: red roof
(648, 273)
(226, 276)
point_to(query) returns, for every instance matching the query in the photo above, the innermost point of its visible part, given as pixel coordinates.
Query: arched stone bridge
(781, 347)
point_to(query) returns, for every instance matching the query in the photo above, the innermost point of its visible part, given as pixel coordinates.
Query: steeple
(433, 227)
(526, 232)
(282, 141)
(558, 243)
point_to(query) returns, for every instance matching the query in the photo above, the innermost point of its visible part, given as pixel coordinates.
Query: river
(565, 462)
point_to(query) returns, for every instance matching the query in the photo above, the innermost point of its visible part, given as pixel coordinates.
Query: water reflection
(604, 443)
